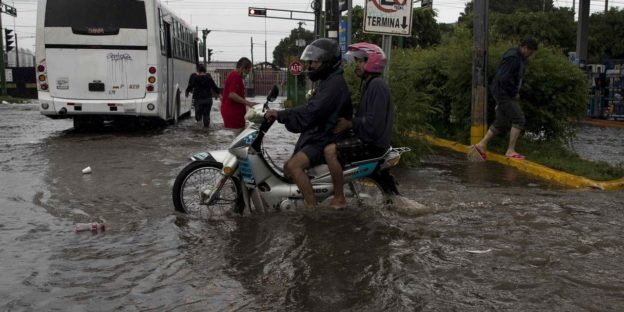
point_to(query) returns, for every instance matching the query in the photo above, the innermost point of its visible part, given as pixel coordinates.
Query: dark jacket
(317, 118)
(509, 72)
(202, 86)
(375, 116)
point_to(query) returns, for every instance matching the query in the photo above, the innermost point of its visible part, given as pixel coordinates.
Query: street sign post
(388, 17)
(295, 68)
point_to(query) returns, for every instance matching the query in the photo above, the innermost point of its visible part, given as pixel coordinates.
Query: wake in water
(410, 207)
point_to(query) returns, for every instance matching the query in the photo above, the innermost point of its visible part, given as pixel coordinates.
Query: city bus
(98, 61)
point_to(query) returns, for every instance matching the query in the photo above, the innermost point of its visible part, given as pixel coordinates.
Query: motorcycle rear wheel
(198, 177)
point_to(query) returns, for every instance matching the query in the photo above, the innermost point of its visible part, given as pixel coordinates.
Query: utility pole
(2, 73)
(606, 6)
(252, 51)
(16, 51)
(478, 125)
(205, 33)
(317, 6)
(582, 30)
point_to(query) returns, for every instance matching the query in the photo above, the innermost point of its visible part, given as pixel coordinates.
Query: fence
(258, 83)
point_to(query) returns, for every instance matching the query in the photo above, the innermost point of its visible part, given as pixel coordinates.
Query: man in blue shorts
(317, 118)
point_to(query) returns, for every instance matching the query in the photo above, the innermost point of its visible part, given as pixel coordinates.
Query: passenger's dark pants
(202, 110)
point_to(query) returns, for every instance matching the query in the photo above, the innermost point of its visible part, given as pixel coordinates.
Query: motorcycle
(244, 177)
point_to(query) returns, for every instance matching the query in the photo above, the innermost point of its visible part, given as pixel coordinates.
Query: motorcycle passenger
(371, 127)
(315, 120)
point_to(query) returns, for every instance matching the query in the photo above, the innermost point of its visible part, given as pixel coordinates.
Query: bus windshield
(96, 17)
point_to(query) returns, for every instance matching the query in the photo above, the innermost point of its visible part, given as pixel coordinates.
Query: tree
(509, 6)
(606, 31)
(553, 28)
(287, 47)
(425, 29)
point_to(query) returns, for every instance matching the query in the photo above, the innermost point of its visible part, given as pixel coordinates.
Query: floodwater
(600, 144)
(466, 236)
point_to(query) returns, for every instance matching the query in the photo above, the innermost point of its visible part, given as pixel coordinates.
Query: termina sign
(388, 17)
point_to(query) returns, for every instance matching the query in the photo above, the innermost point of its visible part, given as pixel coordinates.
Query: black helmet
(325, 51)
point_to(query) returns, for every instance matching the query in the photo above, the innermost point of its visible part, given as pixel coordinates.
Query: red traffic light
(257, 12)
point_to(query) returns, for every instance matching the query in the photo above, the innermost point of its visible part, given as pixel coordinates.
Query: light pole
(205, 33)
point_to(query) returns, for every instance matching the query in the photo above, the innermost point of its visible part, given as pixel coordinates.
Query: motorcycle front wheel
(198, 179)
(365, 192)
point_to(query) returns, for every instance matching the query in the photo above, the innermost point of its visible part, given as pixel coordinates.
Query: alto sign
(388, 17)
(295, 68)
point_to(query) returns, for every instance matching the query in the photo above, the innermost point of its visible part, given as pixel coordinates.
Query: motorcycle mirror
(273, 94)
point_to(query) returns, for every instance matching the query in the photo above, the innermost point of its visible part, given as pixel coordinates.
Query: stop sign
(295, 68)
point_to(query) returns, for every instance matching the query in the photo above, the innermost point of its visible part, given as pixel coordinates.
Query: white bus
(100, 60)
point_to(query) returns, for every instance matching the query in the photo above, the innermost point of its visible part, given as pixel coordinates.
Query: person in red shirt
(233, 102)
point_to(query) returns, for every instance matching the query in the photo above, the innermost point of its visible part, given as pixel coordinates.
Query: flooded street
(466, 237)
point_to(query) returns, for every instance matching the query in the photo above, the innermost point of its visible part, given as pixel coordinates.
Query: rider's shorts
(351, 149)
(314, 153)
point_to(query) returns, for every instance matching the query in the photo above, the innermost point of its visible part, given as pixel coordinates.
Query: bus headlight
(150, 106)
(45, 105)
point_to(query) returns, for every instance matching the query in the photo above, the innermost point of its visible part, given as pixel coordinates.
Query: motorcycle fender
(217, 156)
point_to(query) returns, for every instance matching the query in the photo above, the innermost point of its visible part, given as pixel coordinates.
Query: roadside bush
(553, 95)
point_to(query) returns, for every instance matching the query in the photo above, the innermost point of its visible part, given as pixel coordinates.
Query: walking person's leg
(206, 113)
(198, 110)
(515, 114)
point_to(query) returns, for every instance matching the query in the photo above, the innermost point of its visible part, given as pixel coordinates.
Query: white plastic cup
(86, 170)
(93, 226)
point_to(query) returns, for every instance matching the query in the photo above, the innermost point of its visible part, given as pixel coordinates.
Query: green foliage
(552, 28)
(287, 50)
(605, 35)
(553, 93)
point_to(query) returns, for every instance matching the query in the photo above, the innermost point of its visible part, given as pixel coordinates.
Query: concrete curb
(603, 123)
(534, 168)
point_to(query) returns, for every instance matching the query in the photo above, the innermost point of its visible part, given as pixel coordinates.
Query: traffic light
(257, 12)
(426, 4)
(343, 5)
(209, 55)
(8, 39)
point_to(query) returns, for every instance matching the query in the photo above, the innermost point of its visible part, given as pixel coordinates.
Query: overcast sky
(232, 30)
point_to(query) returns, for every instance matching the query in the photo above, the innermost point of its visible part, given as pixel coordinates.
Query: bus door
(168, 89)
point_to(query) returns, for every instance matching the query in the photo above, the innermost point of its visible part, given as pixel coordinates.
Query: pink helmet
(374, 55)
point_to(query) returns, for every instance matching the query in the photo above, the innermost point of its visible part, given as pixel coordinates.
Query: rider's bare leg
(335, 169)
(294, 169)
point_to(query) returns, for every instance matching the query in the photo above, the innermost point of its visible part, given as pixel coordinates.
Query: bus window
(96, 17)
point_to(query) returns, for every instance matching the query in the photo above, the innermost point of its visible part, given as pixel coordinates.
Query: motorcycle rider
(371, 127)
(315, 120)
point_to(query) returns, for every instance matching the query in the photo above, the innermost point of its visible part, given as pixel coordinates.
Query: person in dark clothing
(317, 118)
(505, 88)
(202, 86)
(372, 126)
